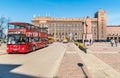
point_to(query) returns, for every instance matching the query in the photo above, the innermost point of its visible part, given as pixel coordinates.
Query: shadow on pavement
(5, 72)
(81, 65)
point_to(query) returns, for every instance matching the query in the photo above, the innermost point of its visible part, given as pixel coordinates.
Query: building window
(75, 33)
(70, 25)
(62, 24)
(62, 28)
(76, 24)
(102, 27)
(95, 33)
(56, 33)
(102, 32)
(59, 33)
(79, 24)
(52, 24)
(56, 24)
(67, 28)
(94, 30)
(66, 24)
(102, 19)
(94, 25)
(73, 25)
(79, 29)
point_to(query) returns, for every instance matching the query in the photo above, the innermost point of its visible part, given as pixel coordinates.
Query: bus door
(29, 44)
(39, 43)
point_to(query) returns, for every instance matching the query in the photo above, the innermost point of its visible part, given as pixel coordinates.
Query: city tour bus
(24, 37)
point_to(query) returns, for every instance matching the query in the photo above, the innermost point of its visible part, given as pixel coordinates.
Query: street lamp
(86, 24)
(54, 32)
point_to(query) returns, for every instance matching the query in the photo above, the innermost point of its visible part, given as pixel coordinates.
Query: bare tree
(3, 27)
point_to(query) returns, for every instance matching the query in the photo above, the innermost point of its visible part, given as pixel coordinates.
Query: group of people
(114, 42)
(88, 42)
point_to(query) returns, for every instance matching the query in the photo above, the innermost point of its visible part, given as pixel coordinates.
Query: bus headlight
(23, 48)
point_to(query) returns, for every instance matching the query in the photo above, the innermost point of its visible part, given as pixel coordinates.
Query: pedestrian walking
(116, 42)
(112, 42)
(90, 42)
(0, 42)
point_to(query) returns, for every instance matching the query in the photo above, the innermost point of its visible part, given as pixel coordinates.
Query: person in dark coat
(116, 42)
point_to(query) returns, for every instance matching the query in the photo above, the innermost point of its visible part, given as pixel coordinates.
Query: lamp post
(86, 24)
(54, 32)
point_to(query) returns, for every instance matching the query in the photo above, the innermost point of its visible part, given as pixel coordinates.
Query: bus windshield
(16, 39)
(15, 26)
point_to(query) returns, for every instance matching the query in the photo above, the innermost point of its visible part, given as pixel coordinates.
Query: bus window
(39, 39)
(21, 39)
(11, 26)
(36, 39)
(11, 40)
(16, 39)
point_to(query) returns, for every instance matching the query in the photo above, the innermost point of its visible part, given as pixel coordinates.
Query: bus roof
(20, 23)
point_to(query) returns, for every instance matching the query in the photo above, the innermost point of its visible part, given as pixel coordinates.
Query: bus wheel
(34, 48)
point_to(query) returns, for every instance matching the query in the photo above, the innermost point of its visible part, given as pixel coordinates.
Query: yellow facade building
(75, 28)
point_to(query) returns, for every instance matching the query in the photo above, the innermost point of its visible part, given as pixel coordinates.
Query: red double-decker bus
(24, 37)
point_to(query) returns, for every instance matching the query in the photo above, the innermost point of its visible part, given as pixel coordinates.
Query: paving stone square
(109, 55)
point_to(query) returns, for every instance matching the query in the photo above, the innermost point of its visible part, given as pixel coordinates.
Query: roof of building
(113, 25)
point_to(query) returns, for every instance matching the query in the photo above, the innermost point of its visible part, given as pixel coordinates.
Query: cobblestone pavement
(72, 65)
(104, 48)
(111, 59)
(109, 55)
(101, 61)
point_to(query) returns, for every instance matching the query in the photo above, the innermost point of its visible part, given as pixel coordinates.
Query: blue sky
(23, 10)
